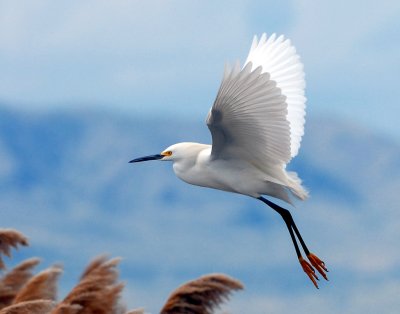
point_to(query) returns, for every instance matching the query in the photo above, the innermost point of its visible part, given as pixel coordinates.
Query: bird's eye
(167, 153)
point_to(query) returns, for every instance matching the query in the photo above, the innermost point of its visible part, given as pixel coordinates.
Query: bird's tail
(295, 186)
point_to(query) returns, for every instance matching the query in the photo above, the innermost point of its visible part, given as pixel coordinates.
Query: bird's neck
(193, 156)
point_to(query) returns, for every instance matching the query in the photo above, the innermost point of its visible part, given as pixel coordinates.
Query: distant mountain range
(64, 149)
(65, 181)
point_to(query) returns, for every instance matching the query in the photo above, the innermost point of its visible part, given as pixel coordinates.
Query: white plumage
(256, 123)
(278, 57)
(256, 128)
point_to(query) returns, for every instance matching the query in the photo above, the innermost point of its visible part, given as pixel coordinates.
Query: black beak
(151, 157)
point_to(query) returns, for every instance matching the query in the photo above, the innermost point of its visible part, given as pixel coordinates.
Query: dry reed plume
(42, 286)
(29, 307)
(10, 238)
(15, 279)
(98, 290)
(201, 296)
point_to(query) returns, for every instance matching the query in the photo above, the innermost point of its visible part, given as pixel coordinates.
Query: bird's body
(233, 175)
(256, 124)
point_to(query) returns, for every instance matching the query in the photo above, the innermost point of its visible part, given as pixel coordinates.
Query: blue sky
(167, 57)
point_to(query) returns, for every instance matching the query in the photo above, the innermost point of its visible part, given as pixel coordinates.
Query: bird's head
(172, 153)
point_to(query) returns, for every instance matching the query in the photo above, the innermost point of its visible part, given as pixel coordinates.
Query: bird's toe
(318, 264)
(309, 270)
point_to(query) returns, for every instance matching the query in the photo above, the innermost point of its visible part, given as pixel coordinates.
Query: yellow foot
(318, 265)
(309, 270)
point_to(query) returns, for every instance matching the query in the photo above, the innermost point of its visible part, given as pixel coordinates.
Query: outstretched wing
(250, 118)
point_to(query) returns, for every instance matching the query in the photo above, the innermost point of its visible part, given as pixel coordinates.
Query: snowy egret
(256, 124)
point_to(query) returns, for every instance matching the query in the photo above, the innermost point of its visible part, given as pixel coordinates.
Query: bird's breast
(196, 173)
(220, 174)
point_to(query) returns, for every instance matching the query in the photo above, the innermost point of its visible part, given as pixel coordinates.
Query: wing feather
(248, 118)
(278, 57)
(258, 114)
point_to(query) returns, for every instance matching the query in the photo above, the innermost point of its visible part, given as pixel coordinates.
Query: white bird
(256, 123)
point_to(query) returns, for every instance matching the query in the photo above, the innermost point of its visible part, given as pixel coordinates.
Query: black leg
(315, 261)
(287, 217)
(300, 238)
(296, 247)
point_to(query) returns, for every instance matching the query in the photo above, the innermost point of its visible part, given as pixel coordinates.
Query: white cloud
(168, 55)
(111, 52)
(333, 33)
(350, 54)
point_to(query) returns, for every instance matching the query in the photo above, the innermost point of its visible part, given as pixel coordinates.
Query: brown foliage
(10, 238)
(98, 290)
(42, 286)
(29, 307)
(201, 296)
(13, 281)
(94, 265)
(67, 309)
